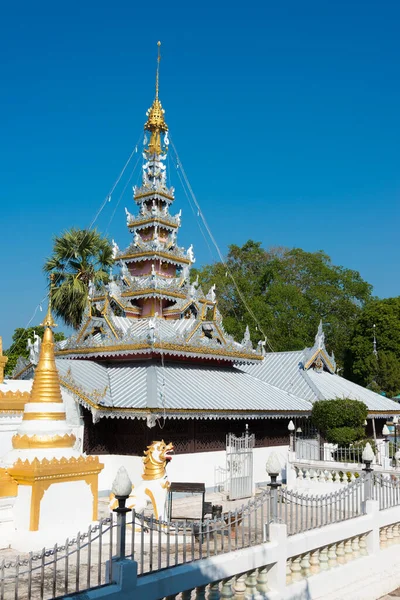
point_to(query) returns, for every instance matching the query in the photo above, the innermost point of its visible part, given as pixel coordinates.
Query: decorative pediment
(317, 357)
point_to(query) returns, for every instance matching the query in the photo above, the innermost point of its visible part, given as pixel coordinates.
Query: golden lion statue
(155, 484)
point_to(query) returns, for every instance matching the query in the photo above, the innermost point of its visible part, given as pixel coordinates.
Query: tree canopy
(289, 291)
(381, 372)
(19, 346)
(79, 256)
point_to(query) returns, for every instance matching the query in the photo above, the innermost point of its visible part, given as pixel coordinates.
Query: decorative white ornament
(273, 466)
(122, 485)
(368, 453)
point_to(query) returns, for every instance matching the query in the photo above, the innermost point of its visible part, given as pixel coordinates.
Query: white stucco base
(67, 503)
(8, 427)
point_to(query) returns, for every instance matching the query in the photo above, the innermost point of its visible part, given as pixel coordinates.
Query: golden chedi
(53, 478)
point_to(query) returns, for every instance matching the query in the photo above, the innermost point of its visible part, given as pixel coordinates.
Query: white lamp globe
(122, 485)
(291, 426)
(385, 430)
(368, 454)
(273, 466)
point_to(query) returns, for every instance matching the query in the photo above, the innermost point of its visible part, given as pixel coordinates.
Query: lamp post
(386, 433)
(291, 429)
(395, 422)
(273, 468)
(368, 456)
(121, 488)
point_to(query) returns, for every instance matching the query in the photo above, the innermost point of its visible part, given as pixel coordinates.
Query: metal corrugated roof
(215, 388)
(182, 387)
(165, 329)
(332, 386)
(282, 370)
(89, 376)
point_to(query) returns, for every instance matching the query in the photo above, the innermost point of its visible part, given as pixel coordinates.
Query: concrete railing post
(372, 540)
(277, 572)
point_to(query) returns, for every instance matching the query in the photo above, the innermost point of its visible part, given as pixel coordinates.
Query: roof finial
(48, 320)
(155, 119)
(158, 69)
(375, 351)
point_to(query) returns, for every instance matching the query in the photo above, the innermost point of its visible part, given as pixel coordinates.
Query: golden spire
(3, 361)
(46, 383)
(155, 117)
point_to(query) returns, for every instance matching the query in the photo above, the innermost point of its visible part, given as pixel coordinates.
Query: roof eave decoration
(159, 348)
(317, 356)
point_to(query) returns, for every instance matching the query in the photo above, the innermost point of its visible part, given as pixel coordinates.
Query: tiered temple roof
(151, 307)
(152, 342)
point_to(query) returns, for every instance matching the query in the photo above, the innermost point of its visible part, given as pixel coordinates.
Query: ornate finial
(3, 361)
(155, 118)
(48, 320)
(158, 68)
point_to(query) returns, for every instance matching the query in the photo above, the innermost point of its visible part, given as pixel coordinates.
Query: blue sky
(285, 116)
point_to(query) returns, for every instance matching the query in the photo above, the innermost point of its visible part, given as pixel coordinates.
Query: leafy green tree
(381, 372)
(341, 420)
(288, 291)
(19, 346)
(79, 256)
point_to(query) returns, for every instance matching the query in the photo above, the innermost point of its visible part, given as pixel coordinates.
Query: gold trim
(13, 401)
(8, 485)
(152, 220)
(153, 501)
(166, 346)
(25, 442)
(314, 356)
(48, 416)
(172, 259)
(107, 320)
(153, 193)
(46, 383)
(83, 329)
(154, 292)
(3, 361)
(42, 474)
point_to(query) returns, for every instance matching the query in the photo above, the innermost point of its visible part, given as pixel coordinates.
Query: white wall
(8, 427)
(112, 462)
(192, 468)
(69, 502)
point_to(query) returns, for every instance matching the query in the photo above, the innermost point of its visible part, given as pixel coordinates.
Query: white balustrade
(262, 580)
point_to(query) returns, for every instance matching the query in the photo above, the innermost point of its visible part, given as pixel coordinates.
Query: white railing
(158, 547)
(308, 451)
(303, 512)
(386, 490)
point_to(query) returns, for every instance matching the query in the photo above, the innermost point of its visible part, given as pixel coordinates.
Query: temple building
(152, 360)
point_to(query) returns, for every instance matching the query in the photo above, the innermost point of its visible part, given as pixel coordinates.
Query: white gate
(307, 449)
(239, 465)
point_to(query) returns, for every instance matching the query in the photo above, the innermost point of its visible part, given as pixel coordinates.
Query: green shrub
(344, 436)
(341, 421)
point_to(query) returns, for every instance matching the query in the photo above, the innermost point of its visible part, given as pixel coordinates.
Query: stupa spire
(155, 117)
(46, 383)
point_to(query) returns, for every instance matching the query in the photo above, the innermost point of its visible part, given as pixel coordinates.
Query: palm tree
(79, 256)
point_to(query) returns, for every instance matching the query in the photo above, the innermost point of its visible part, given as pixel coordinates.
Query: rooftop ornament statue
(34, 348)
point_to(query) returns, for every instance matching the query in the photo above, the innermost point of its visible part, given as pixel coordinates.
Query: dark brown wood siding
(131, 436)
